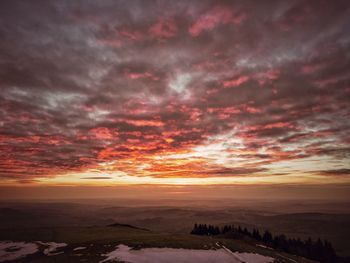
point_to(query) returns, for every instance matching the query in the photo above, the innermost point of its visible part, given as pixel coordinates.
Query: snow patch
(172, 255)
(52, 247)
(263, 246)
(15, 250)
(79, 248)
(249, 257)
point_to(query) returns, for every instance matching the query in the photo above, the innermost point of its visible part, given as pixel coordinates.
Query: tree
(256, 234)
(267, 237)
(317, 250)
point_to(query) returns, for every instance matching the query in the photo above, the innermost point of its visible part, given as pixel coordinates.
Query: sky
(112, 93)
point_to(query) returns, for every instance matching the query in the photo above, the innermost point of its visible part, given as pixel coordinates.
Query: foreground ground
(166, 224)
(91, 244)
(297, 219)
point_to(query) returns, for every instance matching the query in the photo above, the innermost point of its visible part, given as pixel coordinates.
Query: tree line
(312, 249)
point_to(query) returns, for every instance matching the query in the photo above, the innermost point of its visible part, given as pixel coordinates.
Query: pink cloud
(235, 82)
(324, 82)
(142, 75)
(164, 29)
(278, 125)
(231, 110)
(195, 114)
(102, 133)
(224, 113)
(271, 74)
(267, 76)
(133, 140)
(213, 18)
(311, 68)
(251, 109)
(116, 43)
(131, 34)
(145, 123)
(212, 91)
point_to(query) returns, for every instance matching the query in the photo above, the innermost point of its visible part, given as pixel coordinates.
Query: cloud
(249, 84)
(145, 122)
(235, 82)
(334, 172)
(180, 82)
(214, 17)
(164, 28)
(97, 178)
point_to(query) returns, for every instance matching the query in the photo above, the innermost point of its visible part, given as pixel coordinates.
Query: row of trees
(317, 250)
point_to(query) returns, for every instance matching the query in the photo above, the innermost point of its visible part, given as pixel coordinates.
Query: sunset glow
(108, 93)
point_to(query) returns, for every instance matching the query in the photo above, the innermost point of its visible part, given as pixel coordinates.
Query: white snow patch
(79, 248)
(263, 246)
(249, 257)
(15, 250)
(52, 247)
(172, 255)
(252, 258)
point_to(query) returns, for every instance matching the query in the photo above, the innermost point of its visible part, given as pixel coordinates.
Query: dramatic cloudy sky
(174, 92)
